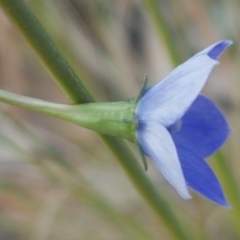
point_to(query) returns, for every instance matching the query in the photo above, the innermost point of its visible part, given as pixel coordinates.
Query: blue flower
(178, 128)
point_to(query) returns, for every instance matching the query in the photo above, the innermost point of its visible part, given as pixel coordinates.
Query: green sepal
(143, 89)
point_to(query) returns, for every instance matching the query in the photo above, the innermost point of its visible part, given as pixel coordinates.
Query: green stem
(26, 21)
(111, 118)
(46, 50)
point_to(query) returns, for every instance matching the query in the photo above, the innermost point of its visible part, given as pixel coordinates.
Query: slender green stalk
(112, 118)
(46, 50)
(153, 7)
(71, 84)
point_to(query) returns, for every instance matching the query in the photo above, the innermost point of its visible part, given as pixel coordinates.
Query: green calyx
(111, 118)
(114, 118)
(117, 119)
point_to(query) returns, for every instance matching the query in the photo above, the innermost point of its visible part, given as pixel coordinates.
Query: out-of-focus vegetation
(59, 181)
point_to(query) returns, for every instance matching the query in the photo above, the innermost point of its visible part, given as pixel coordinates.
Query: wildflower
(178, 128)
(171, 122)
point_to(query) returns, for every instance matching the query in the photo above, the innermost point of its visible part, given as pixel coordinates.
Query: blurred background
(59, 181)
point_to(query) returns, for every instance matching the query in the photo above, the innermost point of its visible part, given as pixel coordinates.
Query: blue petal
(215, 50)
(167, 101)
(156, 142)
(200, 177)
(203, 128)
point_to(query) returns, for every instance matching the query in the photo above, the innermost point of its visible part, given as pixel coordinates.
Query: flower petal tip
(223, 203)
(226, 205)
(218, 48)
(221, 200)
(185, 195)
